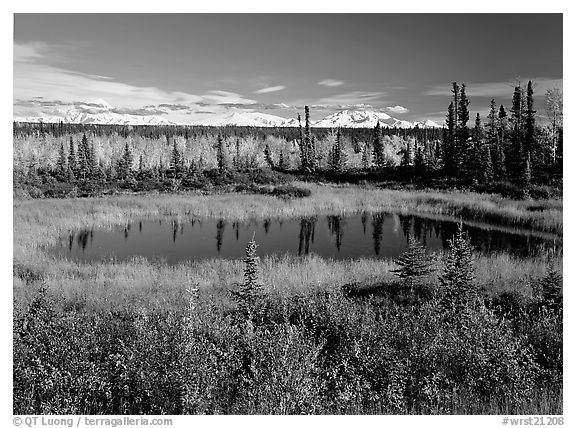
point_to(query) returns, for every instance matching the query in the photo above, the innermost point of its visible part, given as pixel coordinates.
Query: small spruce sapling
(414, 264)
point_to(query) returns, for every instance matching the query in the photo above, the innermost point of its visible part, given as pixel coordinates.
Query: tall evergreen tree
(530, 138)
(456, 99)
(378, 147)
(449, 141)
(337, 161)
(526, 176)
(462, 133)
(249, 291)
(176, 161)
(419, 162)
(475, 153)
(61, 165)
(309, 143)
(220, 156)
(366, 157)
(125, 164)
(303, 148)
(499, 157)
(515, 152)
(268, 156)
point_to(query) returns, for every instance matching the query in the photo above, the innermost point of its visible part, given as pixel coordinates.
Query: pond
(379, 235)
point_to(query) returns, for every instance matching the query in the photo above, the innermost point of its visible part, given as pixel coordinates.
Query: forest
(508, 152)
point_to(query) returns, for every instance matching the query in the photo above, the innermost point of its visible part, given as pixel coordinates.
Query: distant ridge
(344, 119)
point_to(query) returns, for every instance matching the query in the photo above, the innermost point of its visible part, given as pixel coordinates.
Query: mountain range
(344, 119)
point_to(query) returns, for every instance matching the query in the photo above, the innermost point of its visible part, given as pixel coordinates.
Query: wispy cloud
(356, 97)
(224, 97)
(331, 82)
(270, 89)
(397, 109)
(498, 89)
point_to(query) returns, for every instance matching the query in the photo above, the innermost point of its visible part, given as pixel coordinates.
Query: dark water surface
(381, 235)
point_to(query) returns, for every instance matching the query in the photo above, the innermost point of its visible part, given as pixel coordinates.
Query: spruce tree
(249, 291)
(499, 162)
(176, 161)
(220, 156)
(83, 159)
(459, 291)
(93, 163)
(462, 133)
(419, 162)
(336, 158)
(378, 147)
(414, 264)
(268, 156)
(125, 164)
(61, 164)
(72, 158)
(303, 148)
(530, 138)
(406, 160)
(515, 154)
(551, 287)
(474, 155)
(308, 145)
(312, 153)
(449, 141)
(366, 157)
(486, 170)
(526, 177)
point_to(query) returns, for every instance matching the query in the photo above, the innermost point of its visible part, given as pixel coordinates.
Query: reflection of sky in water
(382, 235)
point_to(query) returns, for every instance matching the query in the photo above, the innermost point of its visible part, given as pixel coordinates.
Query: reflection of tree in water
(336, 227)
(140, 227)
(307, 226)
(82, 239)
(236, 229)
(127, 230)
(364, 219)
(219, 233)
(377, 227)
(267, 224)
(485, 240)
(421, 229)
(174, 230)
(406, 225)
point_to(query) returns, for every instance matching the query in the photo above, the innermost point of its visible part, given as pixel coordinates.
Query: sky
(189, 66)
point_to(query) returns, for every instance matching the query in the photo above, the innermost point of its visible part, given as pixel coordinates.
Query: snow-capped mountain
(240, 119)
(353, 119)
(107, 115)
(100, 118)
(367, 119)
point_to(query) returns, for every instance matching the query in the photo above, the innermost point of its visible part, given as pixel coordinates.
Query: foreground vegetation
(285, 334)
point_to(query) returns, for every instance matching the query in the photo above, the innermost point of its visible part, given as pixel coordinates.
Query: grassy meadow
(141, 337)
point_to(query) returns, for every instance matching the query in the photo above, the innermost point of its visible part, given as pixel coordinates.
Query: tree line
(508, 146)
